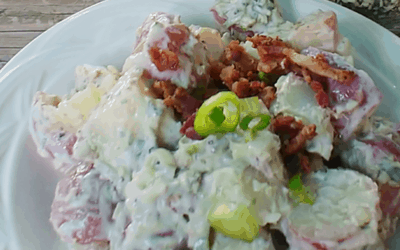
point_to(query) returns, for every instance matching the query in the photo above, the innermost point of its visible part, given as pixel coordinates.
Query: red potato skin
(91, 213)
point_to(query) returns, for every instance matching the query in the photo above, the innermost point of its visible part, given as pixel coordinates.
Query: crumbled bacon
(305, 164)
(178, 35)
(298, 142)
(236, 54)
(286, 125)
(175, 97)
(182, 102)
(267, 95)
(162, 89)
(241, 88)
(216, 69)
(275, 53)
(164, 59)
(322, 98)
(297, 132)
(188, 128)
(229, 75)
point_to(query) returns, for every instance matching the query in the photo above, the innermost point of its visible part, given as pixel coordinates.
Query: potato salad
(259, 134)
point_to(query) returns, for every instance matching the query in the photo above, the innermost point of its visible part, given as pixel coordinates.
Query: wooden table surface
(23, 20)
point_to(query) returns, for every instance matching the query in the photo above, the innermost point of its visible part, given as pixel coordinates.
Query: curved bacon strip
(298, 133)
(164, 59)
(275, 53)
(298, 142)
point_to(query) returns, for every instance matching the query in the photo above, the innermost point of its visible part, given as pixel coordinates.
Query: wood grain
(388, 19)
(23, 20)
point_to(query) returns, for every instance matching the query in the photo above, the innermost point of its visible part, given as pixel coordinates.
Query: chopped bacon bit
(235, 54)
(322, 98)
(178, 35)
(229, 75)
(269, 67)
(306, 75)
(175, 97)
(188, 123)
(267, 41)
(267, 95)
(146, 74)
(241, 88)
(216, 69)
(297, 143)
(305, 164)
(192, 134)
(316, 86)
(286, 125)
(162, 89)
(188, 128)
(164, 59)
(234, 50)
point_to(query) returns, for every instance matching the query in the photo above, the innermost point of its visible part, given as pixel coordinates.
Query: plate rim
(10, 158)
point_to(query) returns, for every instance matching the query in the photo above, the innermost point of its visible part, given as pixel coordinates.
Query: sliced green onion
(295, 183)
(244, 124)
(262, 124)
(299, 192)
(250, 105)
(263, 77)
(218, 114)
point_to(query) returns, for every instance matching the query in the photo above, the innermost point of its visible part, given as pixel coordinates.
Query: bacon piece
(305, 164)
(229, 75)
(241, 88)
(178, 35)
(182, 102)
(188, 128)
(236, 54)
(162, 89)
(320, 66)
(274, 51)
(216, 70)
(164, 59)
(322, 98)
(298, 142)
(267, 95)
(286, 125)
(175, 97)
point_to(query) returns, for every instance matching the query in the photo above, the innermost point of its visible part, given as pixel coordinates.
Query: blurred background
(23, 20)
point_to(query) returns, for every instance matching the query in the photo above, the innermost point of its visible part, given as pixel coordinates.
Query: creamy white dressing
(210, 173)
(247, 14)
(223, 242)
(124, 116)
(296, 98)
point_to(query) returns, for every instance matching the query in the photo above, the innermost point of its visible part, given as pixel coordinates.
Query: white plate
(101, 35)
